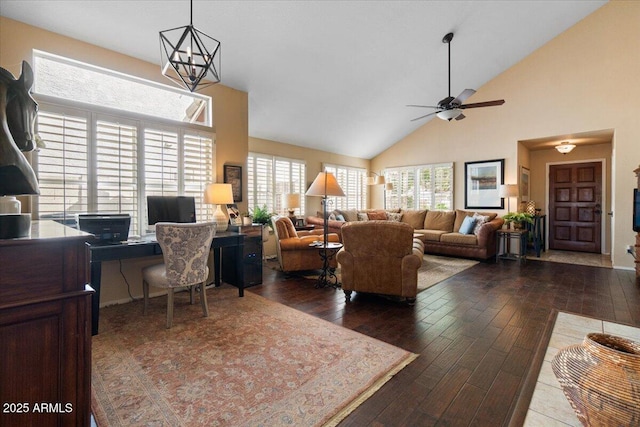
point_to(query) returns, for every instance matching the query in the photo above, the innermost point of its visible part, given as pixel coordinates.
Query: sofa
(380, 257)
(440, 231)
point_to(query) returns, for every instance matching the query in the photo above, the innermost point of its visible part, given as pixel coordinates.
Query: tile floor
(549, 407)
(581, 258)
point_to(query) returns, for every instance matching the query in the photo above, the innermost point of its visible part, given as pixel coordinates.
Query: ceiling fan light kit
(565, 147)
(451, 108)
(188, 55)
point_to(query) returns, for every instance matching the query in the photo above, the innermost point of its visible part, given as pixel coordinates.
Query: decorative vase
(601, 379)
(9, 205)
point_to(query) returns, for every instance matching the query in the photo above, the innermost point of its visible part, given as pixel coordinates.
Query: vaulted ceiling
(331, 75)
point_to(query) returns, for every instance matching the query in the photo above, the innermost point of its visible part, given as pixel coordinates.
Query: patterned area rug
(434, 270)
(252, 362)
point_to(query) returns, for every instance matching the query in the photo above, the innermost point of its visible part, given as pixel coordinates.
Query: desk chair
(185, 249)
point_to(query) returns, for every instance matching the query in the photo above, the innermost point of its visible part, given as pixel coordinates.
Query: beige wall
(230, 113)
(585, 79)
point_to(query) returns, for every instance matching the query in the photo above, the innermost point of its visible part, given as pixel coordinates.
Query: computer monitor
(106, 227)
(171, 209)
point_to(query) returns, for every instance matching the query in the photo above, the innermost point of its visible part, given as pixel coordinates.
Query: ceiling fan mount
(450, 108)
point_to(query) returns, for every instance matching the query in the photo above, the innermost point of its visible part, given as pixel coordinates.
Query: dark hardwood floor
(476, 334)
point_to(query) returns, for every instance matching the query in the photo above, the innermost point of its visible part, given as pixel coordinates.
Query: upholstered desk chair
(292, 247)
(185, 249)
(380, 257)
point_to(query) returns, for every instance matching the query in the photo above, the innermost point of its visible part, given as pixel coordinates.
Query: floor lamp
(325, 185)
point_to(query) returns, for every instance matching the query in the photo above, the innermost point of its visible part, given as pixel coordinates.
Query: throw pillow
(340, 217)
(377, 215)
(468, 225)
(332, 216)
(394, 216)
(480, 221)
(363, 216)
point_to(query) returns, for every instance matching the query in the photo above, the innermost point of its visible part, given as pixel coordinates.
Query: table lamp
(291, 201)
(219, 194)
(508, 191)
(325, 185)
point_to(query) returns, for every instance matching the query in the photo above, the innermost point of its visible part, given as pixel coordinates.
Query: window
(353, 182)
(98, 159)
(270, 177)
(421, 187)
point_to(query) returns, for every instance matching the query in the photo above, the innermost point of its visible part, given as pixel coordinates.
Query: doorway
(575, 207)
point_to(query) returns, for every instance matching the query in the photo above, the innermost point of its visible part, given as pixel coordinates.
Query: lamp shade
(291, 201)
(509, 190)
(218, 194)
(324, 185)
(376, 180)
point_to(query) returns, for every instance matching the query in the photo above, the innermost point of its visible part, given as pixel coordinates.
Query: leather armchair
(380, 257)
(292, 247)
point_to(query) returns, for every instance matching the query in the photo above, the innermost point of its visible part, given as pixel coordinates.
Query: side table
(505, 237)
(327, 252)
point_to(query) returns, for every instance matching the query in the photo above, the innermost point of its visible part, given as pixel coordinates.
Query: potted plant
(261, 215)
(518, 219)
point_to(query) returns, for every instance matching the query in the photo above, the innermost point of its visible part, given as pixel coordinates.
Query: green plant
(261, 215)
(518, 217)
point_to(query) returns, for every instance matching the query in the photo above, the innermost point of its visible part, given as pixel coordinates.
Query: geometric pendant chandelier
(188, 55)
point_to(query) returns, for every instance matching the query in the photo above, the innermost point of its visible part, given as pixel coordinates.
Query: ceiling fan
(451, 108)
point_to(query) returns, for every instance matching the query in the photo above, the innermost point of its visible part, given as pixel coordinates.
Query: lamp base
(292, 216)
(13, 226)
(222, 223)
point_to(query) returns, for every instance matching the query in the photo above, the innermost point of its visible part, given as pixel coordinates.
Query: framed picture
(482, 184)
(233, 176)
(525, 190)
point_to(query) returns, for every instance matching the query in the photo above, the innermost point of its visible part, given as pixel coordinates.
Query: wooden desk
(45, 339)
(144, 248)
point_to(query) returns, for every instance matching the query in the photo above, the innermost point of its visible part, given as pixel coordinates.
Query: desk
(139, 249)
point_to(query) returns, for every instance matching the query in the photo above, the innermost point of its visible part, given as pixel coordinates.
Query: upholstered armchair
(380, 257)
(292, 247)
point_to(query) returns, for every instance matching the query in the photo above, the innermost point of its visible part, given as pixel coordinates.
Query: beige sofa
(438, 230)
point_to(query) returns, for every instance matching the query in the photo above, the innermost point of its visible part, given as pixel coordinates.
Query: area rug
(434, 270)
(252, 362)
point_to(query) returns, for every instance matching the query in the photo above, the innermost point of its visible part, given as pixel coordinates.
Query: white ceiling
(331, 75)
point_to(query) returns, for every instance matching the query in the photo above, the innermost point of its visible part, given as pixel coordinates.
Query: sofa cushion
(362, 216)
(460, 239)
(461, 215)
(413, 217)
(468, 225)
(439, 220)
(394, 216)
(377, 215)
(430, 235)
(349, 214)
(480, 221)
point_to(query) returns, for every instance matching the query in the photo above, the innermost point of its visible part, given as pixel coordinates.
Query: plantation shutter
(260, 181)
(161, 163)
(354, 185)
(198, 168)
(62, 166)
(117, 168)
(422, 187)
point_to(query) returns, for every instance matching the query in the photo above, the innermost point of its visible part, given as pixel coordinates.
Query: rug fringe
(344, 412)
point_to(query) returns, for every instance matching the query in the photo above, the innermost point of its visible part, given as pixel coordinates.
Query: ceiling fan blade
(460, 117)
(421, 106)
(483, 104)
(463, 96)
(422, 117)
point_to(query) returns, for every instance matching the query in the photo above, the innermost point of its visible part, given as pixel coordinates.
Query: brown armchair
(380, 257)
(292, 247)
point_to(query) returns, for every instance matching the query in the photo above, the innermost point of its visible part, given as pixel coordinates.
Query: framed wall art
(525, 189)
(482, 184)
(233, 176)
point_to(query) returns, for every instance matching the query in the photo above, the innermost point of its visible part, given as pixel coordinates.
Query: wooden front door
(575, 207)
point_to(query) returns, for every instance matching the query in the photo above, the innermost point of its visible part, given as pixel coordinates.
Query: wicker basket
(601, 380)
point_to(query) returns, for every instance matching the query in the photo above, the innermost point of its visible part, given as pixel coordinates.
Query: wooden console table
(45, 328)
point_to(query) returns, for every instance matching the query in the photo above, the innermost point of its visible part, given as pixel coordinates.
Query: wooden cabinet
(45, 328)
(251, 256)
